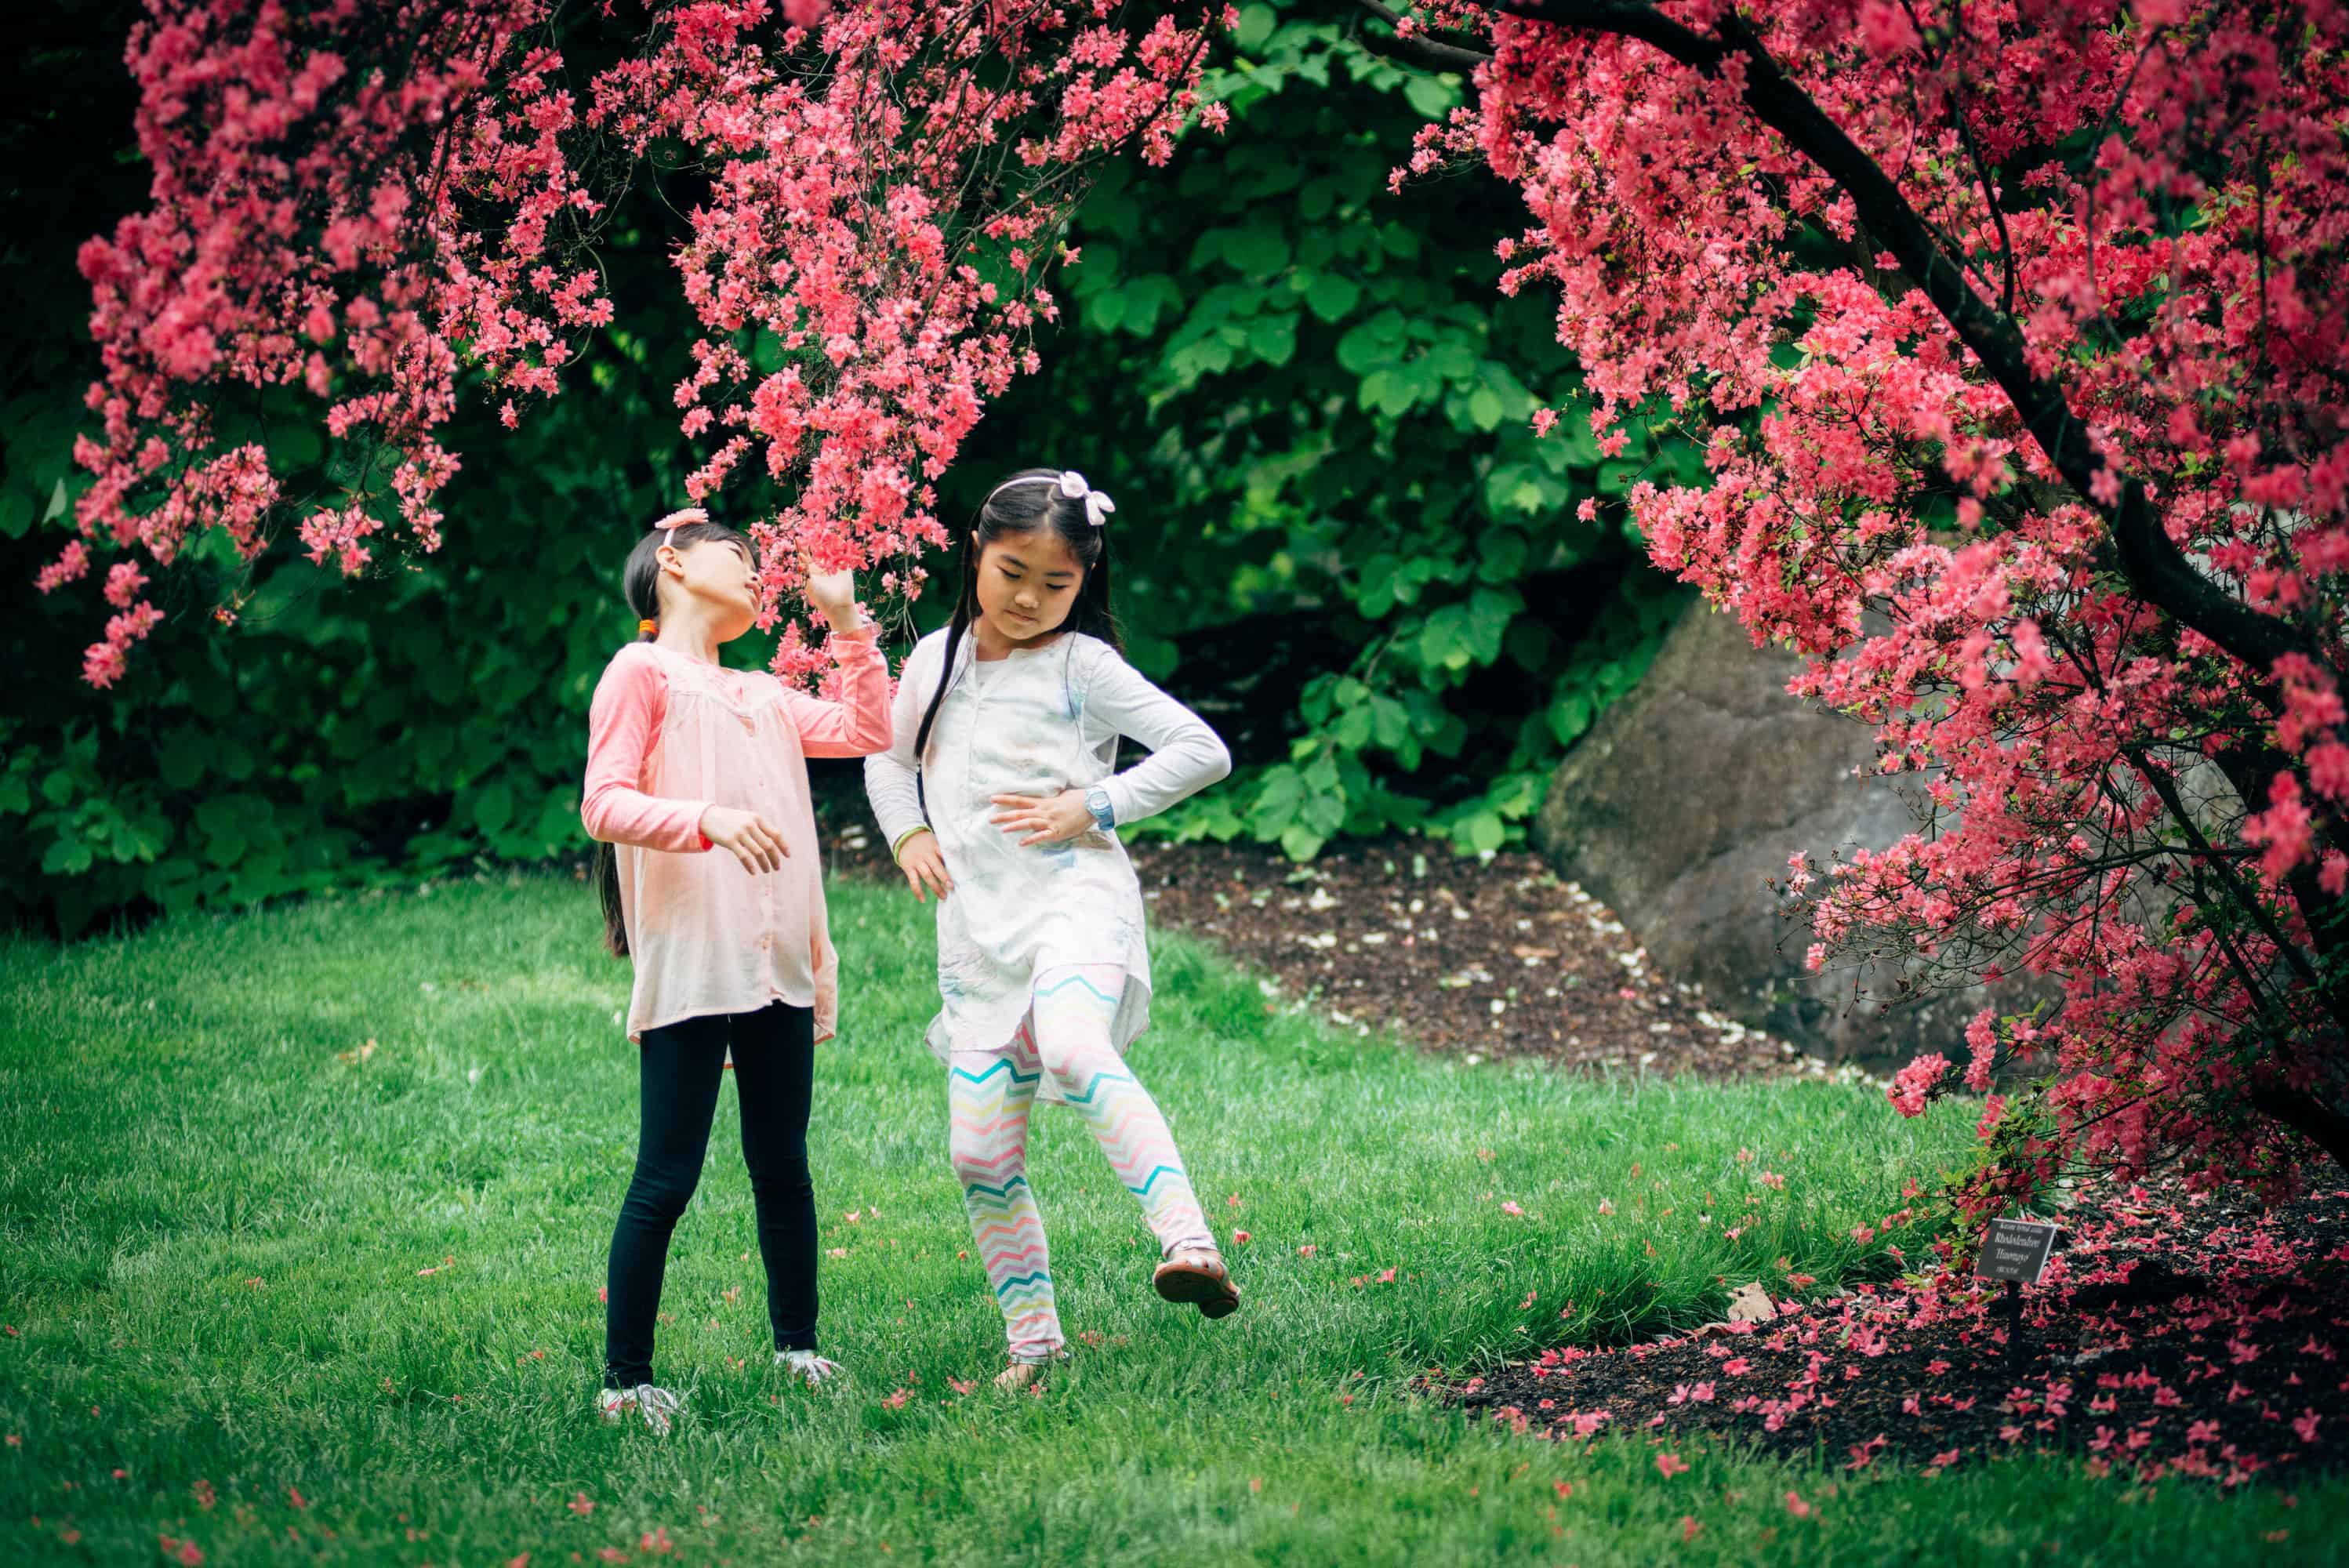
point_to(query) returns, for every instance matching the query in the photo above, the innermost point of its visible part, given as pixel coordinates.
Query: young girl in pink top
(698, 791)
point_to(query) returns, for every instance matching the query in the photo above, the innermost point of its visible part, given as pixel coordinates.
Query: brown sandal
(1197, 1276)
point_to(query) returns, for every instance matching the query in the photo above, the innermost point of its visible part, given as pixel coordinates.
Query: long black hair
(640, 584)
(1025, 502)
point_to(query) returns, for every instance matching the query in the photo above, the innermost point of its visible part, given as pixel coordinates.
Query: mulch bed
(1497, 958)
(2173, 1334)
(1483, 959)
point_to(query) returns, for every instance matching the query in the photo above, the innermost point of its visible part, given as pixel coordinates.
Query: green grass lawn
(218, 1215)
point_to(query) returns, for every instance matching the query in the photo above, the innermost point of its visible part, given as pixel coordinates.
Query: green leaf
(1212, 358)
(1490, 609)
(1373, 344)
(66, 857)
(1485, 408)
(1501, 555)
(1256, 23)
(1333, 298)
(1273, 338)
(1483, 832)
(1516, 403)
(149, 833)
(1451, 357)
(1441, 642)
(1257, 251)
(1325, 810)
(1431, 95)
(1097, 268)
(58, 786)
(1148, 298)
(1388, 390)
(225, 848)
(1374, 588)
(1105, 312)
(1277, 801)
(493, 809)
(1615, 479)
(558, 817)
(1300, 844)
(1570, 716)
(1504, 485)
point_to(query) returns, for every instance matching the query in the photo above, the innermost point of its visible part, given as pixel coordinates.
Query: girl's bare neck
(685, 632)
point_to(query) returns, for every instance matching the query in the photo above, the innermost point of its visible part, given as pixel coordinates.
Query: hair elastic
(648, 628)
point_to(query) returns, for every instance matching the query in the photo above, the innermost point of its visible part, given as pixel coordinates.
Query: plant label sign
(2015, 1249)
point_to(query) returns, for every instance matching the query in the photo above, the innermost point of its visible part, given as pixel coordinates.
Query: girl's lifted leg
(1074, 1006)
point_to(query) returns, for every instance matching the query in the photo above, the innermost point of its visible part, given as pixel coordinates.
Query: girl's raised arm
(858, 724)
(1185, 754)
(622, 720)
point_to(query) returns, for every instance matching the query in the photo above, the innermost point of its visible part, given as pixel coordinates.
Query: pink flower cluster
(317, 229)
(839, 234)
(2019, 389)
(353, 206)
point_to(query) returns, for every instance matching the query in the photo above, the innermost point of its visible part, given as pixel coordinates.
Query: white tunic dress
(1038, 722)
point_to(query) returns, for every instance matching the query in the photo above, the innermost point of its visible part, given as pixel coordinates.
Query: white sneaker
(655, 1405)
(807, 1363)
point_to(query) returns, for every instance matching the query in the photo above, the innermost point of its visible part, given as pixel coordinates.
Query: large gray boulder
(1689, 794)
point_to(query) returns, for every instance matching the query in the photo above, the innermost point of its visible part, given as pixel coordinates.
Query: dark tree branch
(2309, 1117)
(1433, 48)
(2151, 561)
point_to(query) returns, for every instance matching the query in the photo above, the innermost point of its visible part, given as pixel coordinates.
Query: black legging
(774, 1067)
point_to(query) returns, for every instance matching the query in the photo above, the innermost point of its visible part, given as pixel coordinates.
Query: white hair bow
(1098, 506)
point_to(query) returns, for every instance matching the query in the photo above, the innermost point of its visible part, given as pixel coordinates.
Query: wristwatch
(1097, 802)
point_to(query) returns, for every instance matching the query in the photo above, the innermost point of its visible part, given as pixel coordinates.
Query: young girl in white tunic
(998, 793)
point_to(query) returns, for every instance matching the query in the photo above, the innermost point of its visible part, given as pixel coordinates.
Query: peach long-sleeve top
(668, 737)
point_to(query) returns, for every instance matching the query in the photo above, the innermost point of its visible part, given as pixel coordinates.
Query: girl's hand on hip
(924, 866)
(758, 846)
(1046, 819)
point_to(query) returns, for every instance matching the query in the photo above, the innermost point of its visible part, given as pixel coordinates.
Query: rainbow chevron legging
(1067, 1034)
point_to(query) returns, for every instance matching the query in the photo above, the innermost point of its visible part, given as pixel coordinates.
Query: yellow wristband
(900, 844)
